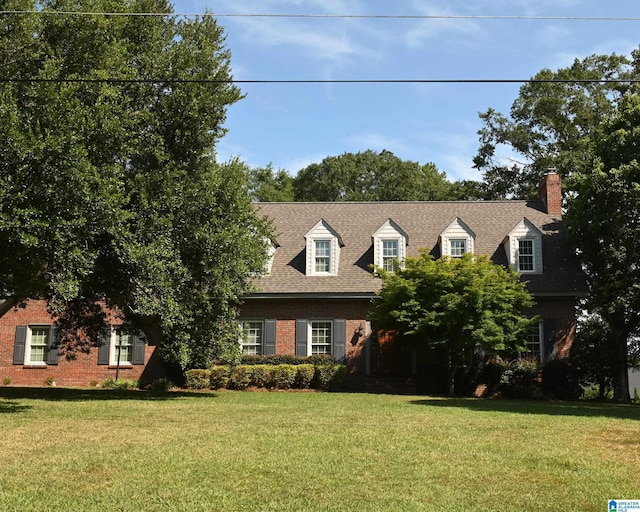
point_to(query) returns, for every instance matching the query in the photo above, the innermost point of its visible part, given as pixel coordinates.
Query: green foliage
(283, 376)
(50, 381)
(370, 176)
(198, 379)
(241, 377)
(109, 191)
(6, 381)
(261, 375)
(266, 185)
(120, 384)
(491, 375)
(219, 376)
(287, 359)
(304, 376)
(161, 384)
(520, 379)
(329, 377)
(457, 303)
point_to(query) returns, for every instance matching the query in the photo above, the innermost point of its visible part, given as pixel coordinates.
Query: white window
(37, 345)
(121, 348)
(252, 335)
(526, 255)
(535, 342)
(390, 254)
(322, 256)
(457, 247)
(321, 336)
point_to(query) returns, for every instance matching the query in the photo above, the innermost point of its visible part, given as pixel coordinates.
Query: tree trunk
(621, 367)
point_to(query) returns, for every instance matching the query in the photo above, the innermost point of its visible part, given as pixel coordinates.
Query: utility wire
(313, 81)
(337, 16)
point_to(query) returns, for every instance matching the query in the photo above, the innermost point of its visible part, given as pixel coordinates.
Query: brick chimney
(550, 191)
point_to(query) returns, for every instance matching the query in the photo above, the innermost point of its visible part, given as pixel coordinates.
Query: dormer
(323, 250)
(271, 245)
(523, 246)
(457, 239)
(389, 244)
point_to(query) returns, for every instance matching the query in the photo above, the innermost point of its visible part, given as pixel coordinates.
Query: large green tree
(370, 176)
(109, 188)
(458, 304)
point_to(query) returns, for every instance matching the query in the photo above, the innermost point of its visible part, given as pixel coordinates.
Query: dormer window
(323, 250)
(389, 245)
(524, 248)
(457, 239)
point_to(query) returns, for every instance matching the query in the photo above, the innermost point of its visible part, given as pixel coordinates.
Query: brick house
(319, 287)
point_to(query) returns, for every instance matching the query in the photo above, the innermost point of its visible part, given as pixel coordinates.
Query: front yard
(98, 450)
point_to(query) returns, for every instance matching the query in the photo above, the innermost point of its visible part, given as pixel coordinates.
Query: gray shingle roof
(423, 222)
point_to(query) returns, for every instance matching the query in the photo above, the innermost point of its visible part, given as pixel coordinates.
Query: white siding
(524, 230)
(457, 230)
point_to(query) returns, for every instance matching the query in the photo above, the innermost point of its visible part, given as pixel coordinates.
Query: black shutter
(269, 348)
(339, 339)
(103, 350)
(52, 354)
(138, 348)
(301, 337)
(19, 345)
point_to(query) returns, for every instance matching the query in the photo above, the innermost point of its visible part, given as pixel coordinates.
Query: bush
(198, 379)
(329, 377)
(283, 376)
(278, 359)
(304, 376)
(120, 384)
(219, 376)
(558, 381)
(520, 379)
(240, 377)
(7, 381)
(261, 375)
(491, 375)
(161, 384)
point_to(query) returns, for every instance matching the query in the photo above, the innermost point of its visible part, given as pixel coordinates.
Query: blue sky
(293, 125)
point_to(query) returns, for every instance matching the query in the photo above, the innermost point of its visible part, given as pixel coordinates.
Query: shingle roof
(423, 222)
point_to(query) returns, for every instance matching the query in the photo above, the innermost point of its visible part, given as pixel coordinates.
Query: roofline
(311, 295)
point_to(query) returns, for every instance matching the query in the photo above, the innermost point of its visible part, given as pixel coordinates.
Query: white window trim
(113, 349)
(465, 247)
(397, 257)
(534, 262)
(262, 333)
(541, 338)
(314, 256)
(322, 232)
(457, 230)
(27, 345)
(310, 336)
(525, 230)
(389, 231)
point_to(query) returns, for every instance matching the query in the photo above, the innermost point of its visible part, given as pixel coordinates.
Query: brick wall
(559, 317)
(81, 371)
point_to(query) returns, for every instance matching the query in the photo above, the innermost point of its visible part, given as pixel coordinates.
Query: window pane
(457, 247)
(252, 338)
(389, 254)
(525, 255)
(124, 347)
(321, 337)
(534, 342)
(323, 255)
(39, 345)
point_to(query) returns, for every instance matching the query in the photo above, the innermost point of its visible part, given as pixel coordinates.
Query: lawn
(97, 450)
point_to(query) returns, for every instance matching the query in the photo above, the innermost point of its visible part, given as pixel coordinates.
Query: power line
(314, 81)
(339, 16)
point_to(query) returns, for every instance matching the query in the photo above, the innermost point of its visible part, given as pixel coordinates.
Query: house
(319, 286)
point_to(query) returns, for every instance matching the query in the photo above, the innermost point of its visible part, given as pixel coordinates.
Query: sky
(293, 125)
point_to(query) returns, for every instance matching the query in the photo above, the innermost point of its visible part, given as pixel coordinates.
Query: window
(322, 256)
(252, 334)
(121, 348)
(457, 247)
(390, 253)
(35, 345)
(321, 337)
(535, 345)
(525, 255)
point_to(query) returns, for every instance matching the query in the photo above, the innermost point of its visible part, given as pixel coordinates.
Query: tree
(604, 222)
(370, 176)
(553, 124)
(109, 188)
(267, 185)
(459, 304)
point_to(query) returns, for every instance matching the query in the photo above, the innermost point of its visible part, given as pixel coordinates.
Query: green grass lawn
(97, 450)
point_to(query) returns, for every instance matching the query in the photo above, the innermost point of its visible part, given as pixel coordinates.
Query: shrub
(7, 381)
(120, 384)
(304, 376)
(50, 381)
(198, 379)
(261, 375)
(491, 374)
(329, 377)
(283, 376)
(520, 379)
(161, 384)
(240, 377)
(278, 359)
(219, 376)
(558, 381)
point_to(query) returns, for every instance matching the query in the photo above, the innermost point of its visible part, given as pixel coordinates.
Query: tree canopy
(109, 188)
(459, 304)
